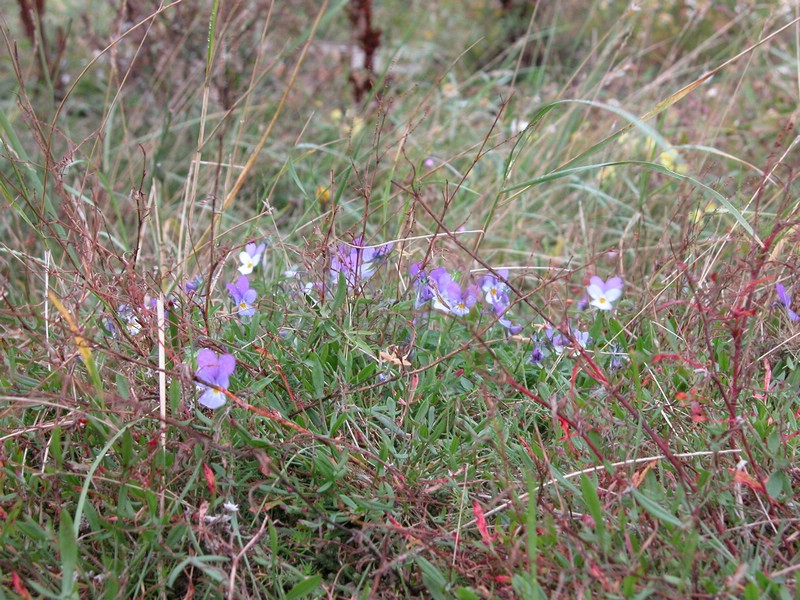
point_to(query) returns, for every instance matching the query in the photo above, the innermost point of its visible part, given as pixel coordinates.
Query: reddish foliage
(211, 480)
(19, 586)
(480, 523)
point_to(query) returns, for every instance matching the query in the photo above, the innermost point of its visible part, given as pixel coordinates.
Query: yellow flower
(671, 160)
(323, 195)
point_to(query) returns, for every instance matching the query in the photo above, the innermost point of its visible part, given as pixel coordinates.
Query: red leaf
(480, 521)
(19, 587)
(211, 481)
(741, 476)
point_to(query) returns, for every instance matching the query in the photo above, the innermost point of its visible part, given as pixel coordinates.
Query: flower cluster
(357, 262)
(445, 294)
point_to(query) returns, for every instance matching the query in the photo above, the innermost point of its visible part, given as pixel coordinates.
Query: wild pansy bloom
(192, 285)
(785, 300)
(501, 310)
(495, 291)
(250, 257)
(420, 280)
(561, 342)
(213, 370)
(357, 262)
(243, 296)
(449, 296)
(537, 354)
(604, 293)
(131, 321)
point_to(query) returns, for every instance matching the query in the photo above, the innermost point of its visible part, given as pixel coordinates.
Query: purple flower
(449, 296)
(618, 358)
(357, 262)
(243, 296)
(561, 342)
(501, 310)
(420, 280)
(193, 284)
(132, 324)
(604, 293)
(213, 370)
(494, 289)
(537, 354)
(785, 300)
(250, 257)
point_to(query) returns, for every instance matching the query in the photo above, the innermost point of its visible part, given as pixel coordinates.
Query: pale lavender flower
(561, 342)
(449, 296)
(604, 293)
(501, 310)
(618, 358)
(243, 296)
(192, 285)
(250, 257)
(213, 370)
(494, 289)
(357, 262)
(419, 278)
(785, 300)
(132, 324)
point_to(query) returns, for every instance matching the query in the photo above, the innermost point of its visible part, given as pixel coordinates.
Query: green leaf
(777, 483)
(433, 578)
(68, 547)
(304, 588)
(592, 500)
(657, 511)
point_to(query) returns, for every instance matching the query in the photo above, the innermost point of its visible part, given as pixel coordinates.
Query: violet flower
(192, 285)
(785, 300)
(357, 262)
(449, 296)
(419, 278)
(243, 296)
(250, 257)
(604, 293)
(132, 324)
(537, 354)
(213, 370)
(494, 288)
(501, 310)
(561, 342)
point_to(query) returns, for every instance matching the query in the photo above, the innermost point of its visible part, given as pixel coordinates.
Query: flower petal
(595, 291)
(227, 364)
(212, 398)
(205, 358)
(783, 297)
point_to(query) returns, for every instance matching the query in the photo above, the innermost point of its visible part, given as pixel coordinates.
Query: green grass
(369, 448)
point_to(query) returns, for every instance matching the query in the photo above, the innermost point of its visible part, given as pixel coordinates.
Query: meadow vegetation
(408, 300)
